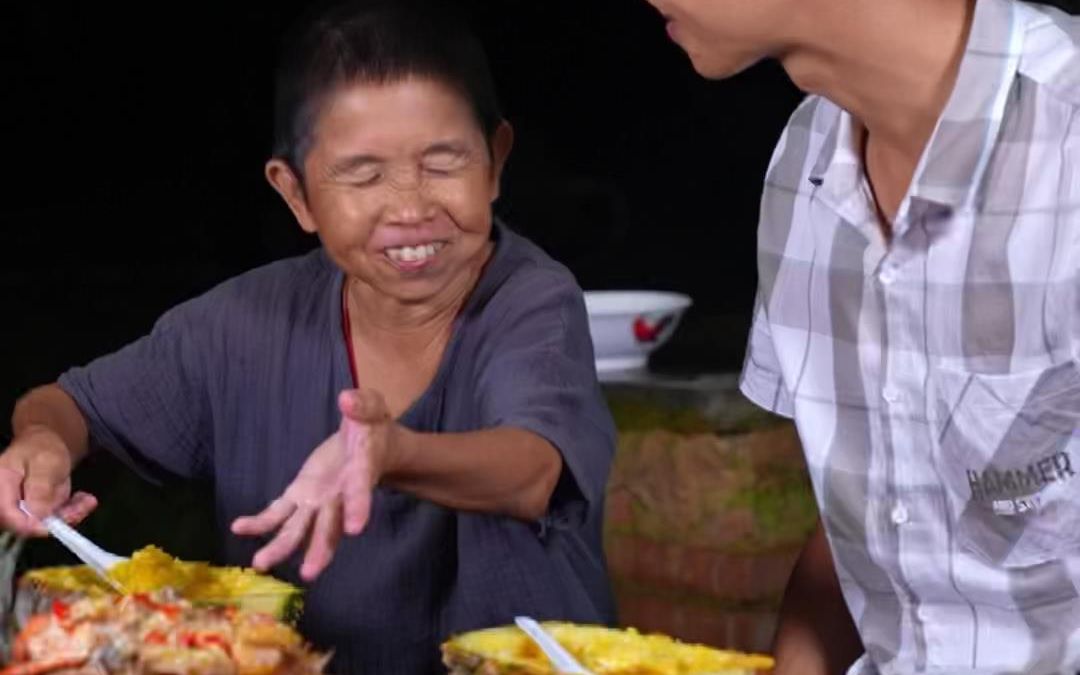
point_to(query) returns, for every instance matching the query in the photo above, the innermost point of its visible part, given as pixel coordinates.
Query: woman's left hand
(332, 493)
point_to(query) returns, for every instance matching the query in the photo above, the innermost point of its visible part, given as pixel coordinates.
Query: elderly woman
(423, 382)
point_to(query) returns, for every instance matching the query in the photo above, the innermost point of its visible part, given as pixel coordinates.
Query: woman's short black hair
(376, 42)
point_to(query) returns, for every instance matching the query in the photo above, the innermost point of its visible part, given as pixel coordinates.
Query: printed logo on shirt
(1016, 491)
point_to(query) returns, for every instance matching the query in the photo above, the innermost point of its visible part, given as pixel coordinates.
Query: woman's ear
(291, 188)
(502, 141)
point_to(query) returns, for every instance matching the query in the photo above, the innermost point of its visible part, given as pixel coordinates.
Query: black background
(134, 141)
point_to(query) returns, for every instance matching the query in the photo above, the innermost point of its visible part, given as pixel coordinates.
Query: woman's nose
(408, 198)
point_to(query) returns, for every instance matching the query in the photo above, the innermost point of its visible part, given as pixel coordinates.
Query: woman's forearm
(505, 470)
(49, 407)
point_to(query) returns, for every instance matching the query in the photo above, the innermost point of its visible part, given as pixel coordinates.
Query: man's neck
(892, 65)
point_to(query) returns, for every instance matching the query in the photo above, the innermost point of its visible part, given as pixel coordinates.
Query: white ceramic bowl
(627, 325)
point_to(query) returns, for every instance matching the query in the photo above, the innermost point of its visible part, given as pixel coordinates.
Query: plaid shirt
(934, 378)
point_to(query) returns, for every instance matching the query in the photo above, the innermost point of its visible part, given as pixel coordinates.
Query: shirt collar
(954, 161)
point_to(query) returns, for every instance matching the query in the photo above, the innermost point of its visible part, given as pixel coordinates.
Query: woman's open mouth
(416, 257)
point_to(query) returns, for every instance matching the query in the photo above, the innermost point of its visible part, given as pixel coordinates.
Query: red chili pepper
(155, 637)
(213, 640)
(61, 610)
(169, 610)
(144, 600)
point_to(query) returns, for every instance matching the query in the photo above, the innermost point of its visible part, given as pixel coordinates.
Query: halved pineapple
(603, 651)
(151, 569)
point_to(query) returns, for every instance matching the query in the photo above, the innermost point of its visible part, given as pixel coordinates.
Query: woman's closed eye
(364, 177)
(444, 161)
(356, 171)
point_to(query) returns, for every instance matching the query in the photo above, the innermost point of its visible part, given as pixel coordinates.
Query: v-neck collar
(346, 373)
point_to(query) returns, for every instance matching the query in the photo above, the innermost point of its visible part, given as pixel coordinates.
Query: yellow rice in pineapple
(152, 569)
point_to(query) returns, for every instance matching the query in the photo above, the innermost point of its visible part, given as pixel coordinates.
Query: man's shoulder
(809, 130)
(1051, 56)
(815, 114)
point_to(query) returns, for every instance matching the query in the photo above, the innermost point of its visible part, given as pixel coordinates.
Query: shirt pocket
(1007, 451)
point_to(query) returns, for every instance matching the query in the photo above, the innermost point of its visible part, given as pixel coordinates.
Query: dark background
(134, 143)
(134, 140)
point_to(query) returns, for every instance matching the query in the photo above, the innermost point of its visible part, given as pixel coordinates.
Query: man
(917, 317)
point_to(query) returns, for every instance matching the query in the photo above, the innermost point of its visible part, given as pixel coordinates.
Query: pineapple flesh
(603, 651)
(151, 569)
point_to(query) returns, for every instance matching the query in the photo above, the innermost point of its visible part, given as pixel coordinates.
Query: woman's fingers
(267, 520)
(363, 405)
(325, 536)
(76, 509)
(357, 478)
(286, 541)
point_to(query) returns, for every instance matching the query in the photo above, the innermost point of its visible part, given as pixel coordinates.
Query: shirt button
(899, 514)
(887, 275)
(890, 394)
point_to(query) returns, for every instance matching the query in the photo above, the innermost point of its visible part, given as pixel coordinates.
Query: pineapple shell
(151, 569)
(603, 651)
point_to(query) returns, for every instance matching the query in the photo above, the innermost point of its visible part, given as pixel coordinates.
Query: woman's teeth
(414, 253)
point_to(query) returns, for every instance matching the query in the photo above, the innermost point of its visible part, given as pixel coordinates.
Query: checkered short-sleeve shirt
(934, 377)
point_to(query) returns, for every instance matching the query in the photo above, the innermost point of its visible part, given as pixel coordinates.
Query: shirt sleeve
(147, 402)
(762, 380)
(537, 372)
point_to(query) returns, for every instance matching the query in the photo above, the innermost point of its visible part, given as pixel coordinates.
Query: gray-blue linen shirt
(239, 385)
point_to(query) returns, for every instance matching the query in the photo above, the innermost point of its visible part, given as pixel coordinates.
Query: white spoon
(95, 557)
(560, 658)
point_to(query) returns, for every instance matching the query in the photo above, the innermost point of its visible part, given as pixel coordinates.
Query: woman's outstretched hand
(332, 493)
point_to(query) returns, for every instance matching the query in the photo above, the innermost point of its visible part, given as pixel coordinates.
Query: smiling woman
(423, 382)
(398, 183)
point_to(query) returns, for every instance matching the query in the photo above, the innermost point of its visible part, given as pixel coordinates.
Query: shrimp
(48, 666)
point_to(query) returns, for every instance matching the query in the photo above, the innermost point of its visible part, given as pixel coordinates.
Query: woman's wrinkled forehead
(377, 43)
(413, 107)
(408, 97)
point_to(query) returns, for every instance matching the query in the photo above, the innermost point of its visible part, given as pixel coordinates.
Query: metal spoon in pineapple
(95, 557)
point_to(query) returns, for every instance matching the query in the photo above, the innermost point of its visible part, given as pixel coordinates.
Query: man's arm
(816, 635)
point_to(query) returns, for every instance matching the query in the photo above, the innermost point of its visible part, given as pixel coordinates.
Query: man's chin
(714, 67)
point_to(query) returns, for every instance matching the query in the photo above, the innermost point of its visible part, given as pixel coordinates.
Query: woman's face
(398, 185)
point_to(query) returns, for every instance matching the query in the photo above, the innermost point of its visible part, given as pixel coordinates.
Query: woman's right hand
(37, 467)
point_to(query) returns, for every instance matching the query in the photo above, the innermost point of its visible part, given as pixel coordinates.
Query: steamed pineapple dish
(603, 651)
(175, 617)
(157, 634)
(151, 570)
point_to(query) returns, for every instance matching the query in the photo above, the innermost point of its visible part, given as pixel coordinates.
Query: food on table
(150, 570)
(157, 634)
(603, 651)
